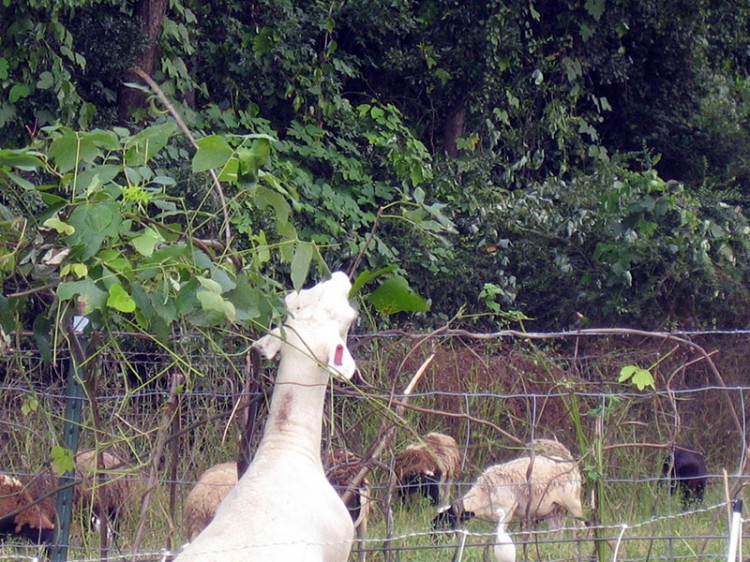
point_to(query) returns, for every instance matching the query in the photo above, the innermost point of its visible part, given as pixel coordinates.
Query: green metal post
(71, 431)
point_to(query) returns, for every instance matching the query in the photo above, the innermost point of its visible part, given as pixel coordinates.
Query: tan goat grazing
(99, 492)
(537, 485)
(204, 499)
(103, 491)
(429, 467)
(283, 509)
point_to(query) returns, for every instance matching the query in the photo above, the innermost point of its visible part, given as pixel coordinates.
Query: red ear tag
(338, 356)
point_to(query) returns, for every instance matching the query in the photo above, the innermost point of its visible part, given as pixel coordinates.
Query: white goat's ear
(341, 361)
(270, 344)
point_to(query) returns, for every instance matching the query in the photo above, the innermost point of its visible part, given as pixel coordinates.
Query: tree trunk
(151, 13)
(455, 125)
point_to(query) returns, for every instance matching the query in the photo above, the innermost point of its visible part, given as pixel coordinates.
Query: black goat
(686, 468)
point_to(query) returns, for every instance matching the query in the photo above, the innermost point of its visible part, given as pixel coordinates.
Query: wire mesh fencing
(492, 394)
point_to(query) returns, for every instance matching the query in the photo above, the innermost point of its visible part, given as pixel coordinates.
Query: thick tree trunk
(151, 13)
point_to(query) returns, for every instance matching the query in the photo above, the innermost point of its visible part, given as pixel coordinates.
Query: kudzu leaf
(86, 290)
(146, 144)
(19, 159)
(58, 225)
(394, 295)
(119, 299)
(211, 301)
(146, 242)
(301, 263)
(213, 152)
(62, 459)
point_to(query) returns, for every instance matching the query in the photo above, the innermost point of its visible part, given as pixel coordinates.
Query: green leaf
(41, 328)
(73, 147)
(86, 290)
(119, 299)
(31, 404)
(147, 241)
(146, 144)
(19, 159)
(640, 377)
(97, 175)
(643, 379)
(265, 197)
(367, 276)
(213, 152)
(209, 285)
(93, 224)
(248, 301)
(62, 459)
(46, 81)
(595, 8)
(247, 170)
(64, 151)
(301, 263)
(252, 159)
(627, 372)
(58, 225)
(78, 269)
(223, 278)
(262, 150)
(211, 301)
(394, 295)
(17, 92)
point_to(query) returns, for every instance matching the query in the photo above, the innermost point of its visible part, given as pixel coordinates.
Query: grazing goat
(428, 467)
(99, 492)
(204, 499)
(532, 487)
(21, 517)
(283, 508)
(686, 469)
(102, 491)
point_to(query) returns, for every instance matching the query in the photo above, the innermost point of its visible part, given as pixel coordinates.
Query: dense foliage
(567, 161)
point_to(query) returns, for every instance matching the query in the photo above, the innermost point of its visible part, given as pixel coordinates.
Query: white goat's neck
(294, 421)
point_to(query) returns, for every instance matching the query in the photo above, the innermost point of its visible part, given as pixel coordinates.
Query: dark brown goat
(686, 469)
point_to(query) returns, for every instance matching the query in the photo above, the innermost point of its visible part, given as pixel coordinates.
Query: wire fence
(493, 393)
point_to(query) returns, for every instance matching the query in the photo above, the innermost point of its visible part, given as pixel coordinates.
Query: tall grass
(491, 396)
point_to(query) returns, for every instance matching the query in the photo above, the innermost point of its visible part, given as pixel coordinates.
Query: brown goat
(429, 467)
(20, 516)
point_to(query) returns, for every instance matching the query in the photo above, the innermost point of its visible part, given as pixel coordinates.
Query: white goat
(531, 487)
(283, 508)
(217, 481)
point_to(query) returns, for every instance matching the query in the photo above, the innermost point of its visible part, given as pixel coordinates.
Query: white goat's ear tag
(341, 361)
(270, 344)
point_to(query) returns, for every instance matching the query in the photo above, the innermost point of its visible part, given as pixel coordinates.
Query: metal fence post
(71, 431)
(734, 532)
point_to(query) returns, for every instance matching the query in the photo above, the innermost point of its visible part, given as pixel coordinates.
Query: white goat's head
(318, 323)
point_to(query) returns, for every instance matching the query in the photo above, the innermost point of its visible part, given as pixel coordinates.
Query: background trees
(567, 159)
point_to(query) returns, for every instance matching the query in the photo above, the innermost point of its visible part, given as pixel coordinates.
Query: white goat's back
(535, 491)
(279, 524)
